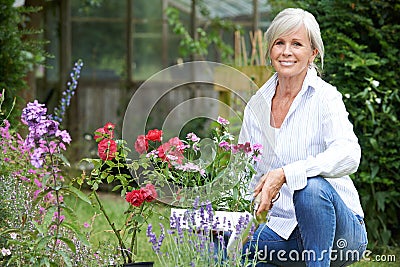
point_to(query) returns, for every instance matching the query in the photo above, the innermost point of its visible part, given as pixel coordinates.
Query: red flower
(136, 197)
(109, 129)
(171, 151)
(107, 149)
(99, 134)
(149, 192)
(141, 144)
(154, 135)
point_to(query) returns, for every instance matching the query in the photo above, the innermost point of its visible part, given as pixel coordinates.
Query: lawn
(101, 233)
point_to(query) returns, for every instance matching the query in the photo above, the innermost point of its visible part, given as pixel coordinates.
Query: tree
(18, 55)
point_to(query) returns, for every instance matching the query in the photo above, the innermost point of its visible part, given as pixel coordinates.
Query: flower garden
(55, 220)
(168, 201)
(46, 230)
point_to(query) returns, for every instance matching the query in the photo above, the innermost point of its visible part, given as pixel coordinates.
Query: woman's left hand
(269, 186)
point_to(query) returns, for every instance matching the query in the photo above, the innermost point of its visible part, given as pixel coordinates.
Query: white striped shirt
(316, 138)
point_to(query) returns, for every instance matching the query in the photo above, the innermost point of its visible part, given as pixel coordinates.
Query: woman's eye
(278, 43)
(297, 44)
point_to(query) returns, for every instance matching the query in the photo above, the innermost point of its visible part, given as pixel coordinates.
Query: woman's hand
(269, 186)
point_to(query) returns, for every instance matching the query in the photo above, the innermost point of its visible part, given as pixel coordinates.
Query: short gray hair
(288, 21)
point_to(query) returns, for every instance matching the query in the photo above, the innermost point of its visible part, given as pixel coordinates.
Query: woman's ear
(313, 55)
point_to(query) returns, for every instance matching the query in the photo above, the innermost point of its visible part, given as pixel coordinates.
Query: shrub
(361, 45)
(363, 59)
(18, 54)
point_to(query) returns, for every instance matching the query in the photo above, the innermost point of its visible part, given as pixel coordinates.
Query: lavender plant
(38, 228)
(196, 239)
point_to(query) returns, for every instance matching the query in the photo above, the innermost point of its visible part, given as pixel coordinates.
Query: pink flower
(86, 225)
(172, 148)
(193, 137)
(149, 192)
(99, 134)
(109, 129)
(222, 121)
(225, 145)
(107, 149)
(141, 144)
(38, 183)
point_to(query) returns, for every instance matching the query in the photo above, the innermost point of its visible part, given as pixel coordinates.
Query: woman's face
(292, 54)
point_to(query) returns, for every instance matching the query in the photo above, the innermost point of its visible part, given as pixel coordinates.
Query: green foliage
(37, 227)
(209, 35)
(18, 53)
(361, 45)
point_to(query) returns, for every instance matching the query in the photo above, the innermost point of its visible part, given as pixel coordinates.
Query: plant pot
(139, 264)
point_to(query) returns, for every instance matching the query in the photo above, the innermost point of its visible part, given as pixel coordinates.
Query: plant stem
(116, 232)
(134, 234)
(58, 217)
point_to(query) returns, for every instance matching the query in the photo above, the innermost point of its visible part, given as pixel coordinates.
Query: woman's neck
(289, 87)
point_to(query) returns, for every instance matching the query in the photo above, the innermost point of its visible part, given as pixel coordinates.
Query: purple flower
(65, 101)
(51, 127)
(33, 113)
(156, 244)
(36, 158)
(65, 137)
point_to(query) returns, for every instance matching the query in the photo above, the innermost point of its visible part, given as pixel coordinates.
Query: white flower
(347, 95)
(378, 100)
(13, 235)
(375, 83)
(5, 252)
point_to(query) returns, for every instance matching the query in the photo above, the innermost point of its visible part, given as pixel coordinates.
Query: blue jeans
(328, 233)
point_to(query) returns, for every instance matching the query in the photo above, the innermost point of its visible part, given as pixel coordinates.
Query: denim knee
(317, 189)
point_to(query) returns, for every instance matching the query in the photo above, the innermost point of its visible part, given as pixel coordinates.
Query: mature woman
(310, 150)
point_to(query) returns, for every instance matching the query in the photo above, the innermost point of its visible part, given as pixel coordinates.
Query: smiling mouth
(287, 63)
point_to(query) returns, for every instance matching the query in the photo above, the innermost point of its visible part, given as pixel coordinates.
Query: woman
(310, 150)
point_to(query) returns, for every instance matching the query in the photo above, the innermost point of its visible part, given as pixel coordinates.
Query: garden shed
(123, 43)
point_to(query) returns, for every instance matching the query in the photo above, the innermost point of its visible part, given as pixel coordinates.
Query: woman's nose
(287, 51)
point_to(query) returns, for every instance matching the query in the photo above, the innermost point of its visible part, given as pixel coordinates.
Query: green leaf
(116, 187)
(95, 186)
(70, 213)
(41, 243)
(65, 257)
(69, 243)
(135, 165)
(76, 192)
(374, 143)
(63, 159)
(48, 217)
(386, 234)
(78, 233)
(110, 178)
(380, 200)
(374, 171)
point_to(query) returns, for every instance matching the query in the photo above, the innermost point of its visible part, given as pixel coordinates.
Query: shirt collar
(309, 83)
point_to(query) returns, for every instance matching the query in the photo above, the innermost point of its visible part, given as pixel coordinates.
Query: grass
(115, 205)
(101, 232)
